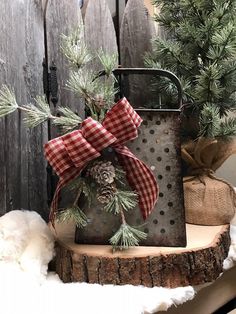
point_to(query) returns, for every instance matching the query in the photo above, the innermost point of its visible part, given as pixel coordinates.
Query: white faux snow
(26, 246)
(20, 294)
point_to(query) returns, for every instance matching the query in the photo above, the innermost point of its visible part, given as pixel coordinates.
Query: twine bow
(69, 154)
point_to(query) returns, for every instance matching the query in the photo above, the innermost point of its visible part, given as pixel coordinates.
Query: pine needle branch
(113, 206)
(68, 121)
(122, 199)
(127, 199)
(98, 95)
(73, 213)
(227, 127)
(82, 83)
(120, 175)
(37, 114)
(126, 237)
(109, 62)
(75, 184)
(8, 102)
(74, 48)
(209, 121)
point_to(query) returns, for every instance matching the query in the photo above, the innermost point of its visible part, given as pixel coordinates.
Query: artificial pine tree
(200, 48)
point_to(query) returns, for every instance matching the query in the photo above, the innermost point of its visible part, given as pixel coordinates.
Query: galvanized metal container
(158, 145)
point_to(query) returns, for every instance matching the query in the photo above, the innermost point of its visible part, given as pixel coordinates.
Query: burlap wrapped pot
(208, 200)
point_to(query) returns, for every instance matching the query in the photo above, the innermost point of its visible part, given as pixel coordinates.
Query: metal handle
(156, 72)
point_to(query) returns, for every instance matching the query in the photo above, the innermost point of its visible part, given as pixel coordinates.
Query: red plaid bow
(70, 153)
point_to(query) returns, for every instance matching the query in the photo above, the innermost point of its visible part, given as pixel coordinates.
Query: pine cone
(106, 193)
(103, 172)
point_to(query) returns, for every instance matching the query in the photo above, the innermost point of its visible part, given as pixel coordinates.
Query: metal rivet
(144, 140)
(163, 230)
(170, 204)
(160, 176)
(152, 150)
(172, 222)
(162, 213)
(151, 131)
(155, 221)
(168, 168)
(153, 168)
(159, 158)
(166, 150)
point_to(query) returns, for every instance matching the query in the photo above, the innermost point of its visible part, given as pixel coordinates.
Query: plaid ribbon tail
(62, 182)
(54, 204)
(140, 178)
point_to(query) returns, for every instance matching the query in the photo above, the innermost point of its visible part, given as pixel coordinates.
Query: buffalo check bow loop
(70, 153)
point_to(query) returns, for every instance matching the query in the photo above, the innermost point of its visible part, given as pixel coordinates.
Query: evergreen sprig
(8, 102)
(74, 48)
(227, 127)
(127, 236)
(83, 83)
(212, 126)
(113, 206)
(120, 176)
(68, 121)
(82, 185)
(74, 214)
(37, 114)
(108, 62)
(98, 92)
(125, 200)
(209, 121)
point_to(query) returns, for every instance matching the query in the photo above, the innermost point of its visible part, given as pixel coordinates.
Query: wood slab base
(201, 261)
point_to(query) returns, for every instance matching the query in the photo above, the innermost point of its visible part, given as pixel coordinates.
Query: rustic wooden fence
(30, 31)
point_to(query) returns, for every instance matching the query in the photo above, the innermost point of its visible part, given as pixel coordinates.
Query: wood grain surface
(22, 165)
(137, 30)
(99, 30)
(149, 266)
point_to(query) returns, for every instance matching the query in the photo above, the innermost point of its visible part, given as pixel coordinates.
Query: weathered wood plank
(21, 52)
(99, 29)
(35, 173)
(9, 137)
(62, 18)
(137, 30)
